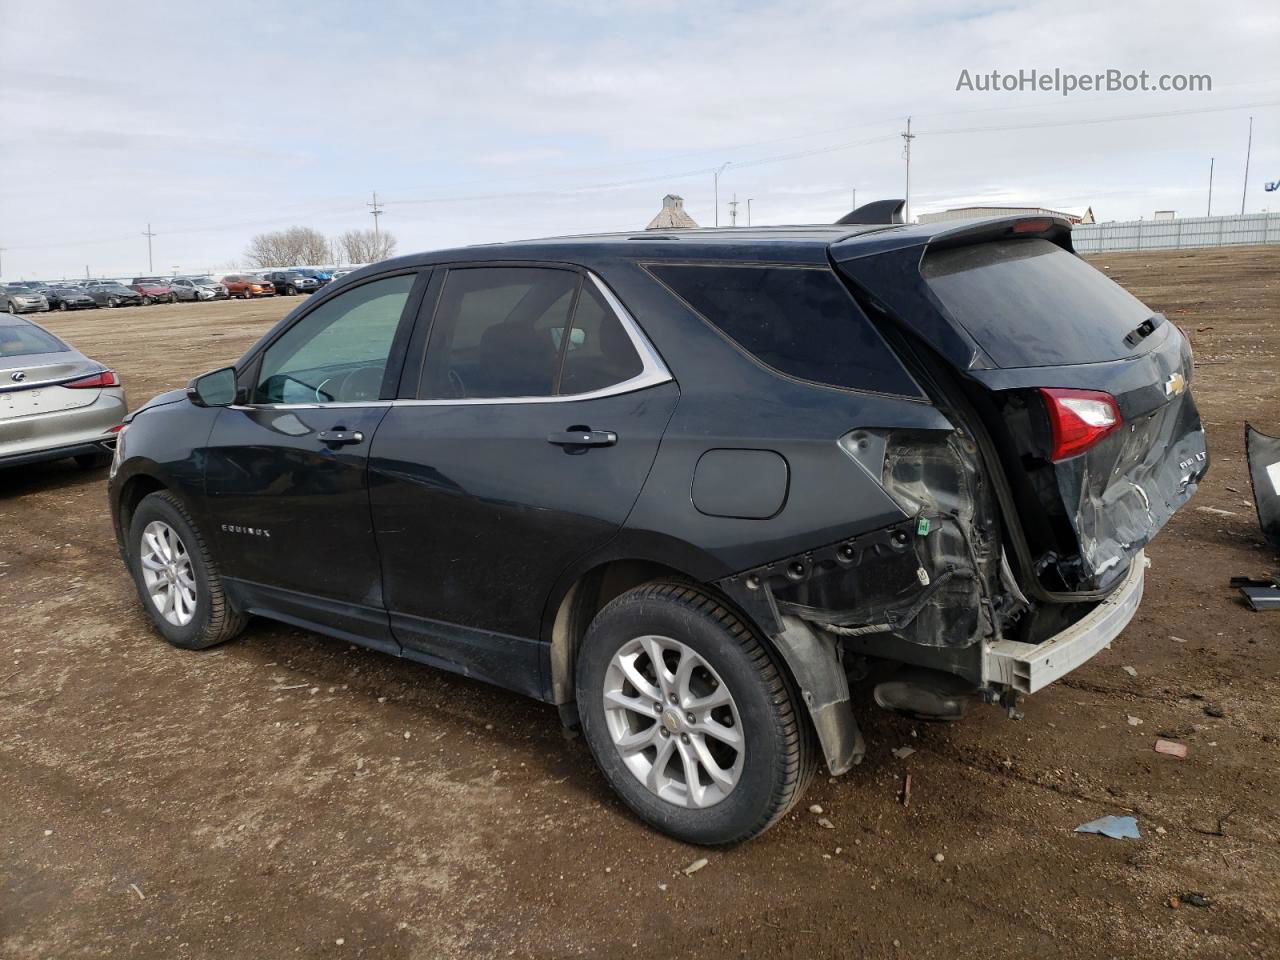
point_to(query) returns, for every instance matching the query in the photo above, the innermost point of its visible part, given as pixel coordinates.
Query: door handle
(583, 437)
(340, 437)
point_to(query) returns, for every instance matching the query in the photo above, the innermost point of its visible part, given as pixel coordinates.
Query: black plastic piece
(925, 694)
(1263, 453)
(877, 211)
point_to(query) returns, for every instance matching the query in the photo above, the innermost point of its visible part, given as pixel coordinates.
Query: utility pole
(377, 212)
(715, 181)
(907, 137)
(1209, 210)
(1247, 151)
(148, 234)
(749, 199)
(733, 211)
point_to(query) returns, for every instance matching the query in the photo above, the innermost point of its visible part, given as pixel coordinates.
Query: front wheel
(63, 306)
(113, 302)
(146, 301)
(291, 291)
(692, 720)
(177, 577)
(173, 298)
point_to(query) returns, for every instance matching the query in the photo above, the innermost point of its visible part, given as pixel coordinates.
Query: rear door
(1039, 340)
(520, 445)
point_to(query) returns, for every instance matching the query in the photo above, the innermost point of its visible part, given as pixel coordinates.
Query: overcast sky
(492, 121)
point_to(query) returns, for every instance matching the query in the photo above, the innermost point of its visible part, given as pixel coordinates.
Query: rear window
(1030, 303)
(800, 321)
(24, 340)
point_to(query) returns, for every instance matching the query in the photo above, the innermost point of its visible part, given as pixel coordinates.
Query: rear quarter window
(800, 321)
(1030, 303)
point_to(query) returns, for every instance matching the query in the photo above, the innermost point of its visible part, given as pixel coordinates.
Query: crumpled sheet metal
(1119, 496)
(1264, 473)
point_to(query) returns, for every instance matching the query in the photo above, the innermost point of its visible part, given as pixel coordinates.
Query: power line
(377, 212)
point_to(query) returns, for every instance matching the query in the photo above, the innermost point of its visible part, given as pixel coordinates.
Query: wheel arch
(811, 661)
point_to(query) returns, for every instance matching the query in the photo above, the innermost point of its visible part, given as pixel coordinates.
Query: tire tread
(799, 755)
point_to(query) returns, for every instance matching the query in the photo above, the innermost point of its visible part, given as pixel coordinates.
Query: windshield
(25, 340)
(1030, 303)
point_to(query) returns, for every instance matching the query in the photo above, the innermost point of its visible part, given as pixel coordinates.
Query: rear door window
(1030, 303)
(801, 321)
(497, 333)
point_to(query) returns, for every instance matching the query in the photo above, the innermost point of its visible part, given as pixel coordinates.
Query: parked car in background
(154, 290)
(290, 283)
(685, 490)
(247, 287)
(21, 298)
(54, 401)
(112, 293)
(69, 297)
(321, 277)
(198, 288)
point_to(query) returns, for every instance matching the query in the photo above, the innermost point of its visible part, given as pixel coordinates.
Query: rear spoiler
(876, 212)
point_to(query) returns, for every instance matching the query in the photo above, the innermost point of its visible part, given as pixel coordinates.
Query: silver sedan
(54, 401)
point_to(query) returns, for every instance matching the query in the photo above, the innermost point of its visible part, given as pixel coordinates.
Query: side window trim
(247, 375)
(653, 370)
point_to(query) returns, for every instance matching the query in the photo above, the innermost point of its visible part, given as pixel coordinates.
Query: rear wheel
(12, 308)
(173, 298)
(113, 301)
(177, 577)
(690, 717)
(146, 301)
(63, 306)
(291, 290)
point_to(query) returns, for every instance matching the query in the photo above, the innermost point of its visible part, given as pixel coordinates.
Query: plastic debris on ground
(1117, 828)
(1172, 749)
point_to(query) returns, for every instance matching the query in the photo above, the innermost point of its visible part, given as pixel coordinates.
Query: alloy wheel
(167, 573)
(673, 721)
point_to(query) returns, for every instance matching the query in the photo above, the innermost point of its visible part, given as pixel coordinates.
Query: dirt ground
(288, 795)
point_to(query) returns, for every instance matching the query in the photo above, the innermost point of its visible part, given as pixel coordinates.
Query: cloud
(505, 120)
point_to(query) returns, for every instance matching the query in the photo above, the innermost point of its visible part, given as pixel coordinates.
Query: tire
(291, 290)
(113, 302)
(12, 309)
(63, 306)
(212, 619)
(759, 780)
(93, 461)
(173, 298)
(147, 301)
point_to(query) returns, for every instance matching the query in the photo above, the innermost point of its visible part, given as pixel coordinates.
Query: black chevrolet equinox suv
(687, 486)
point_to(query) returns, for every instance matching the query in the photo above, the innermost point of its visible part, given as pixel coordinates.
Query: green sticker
(922, 526)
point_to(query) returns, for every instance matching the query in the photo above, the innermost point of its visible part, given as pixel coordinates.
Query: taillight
(1079, 418)
(107, 378)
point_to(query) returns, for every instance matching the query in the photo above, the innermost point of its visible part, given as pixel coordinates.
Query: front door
(537, 416)
(286, 473)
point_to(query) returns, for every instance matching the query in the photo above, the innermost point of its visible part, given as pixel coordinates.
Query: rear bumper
(49, 436)
(1028, 667)
(104, 445)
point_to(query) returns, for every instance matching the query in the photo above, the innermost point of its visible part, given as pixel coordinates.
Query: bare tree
(288, 248)
(365, 246)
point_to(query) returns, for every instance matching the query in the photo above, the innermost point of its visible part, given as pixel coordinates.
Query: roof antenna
(876, 212)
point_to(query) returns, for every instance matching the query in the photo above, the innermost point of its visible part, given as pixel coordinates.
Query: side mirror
(214, 389)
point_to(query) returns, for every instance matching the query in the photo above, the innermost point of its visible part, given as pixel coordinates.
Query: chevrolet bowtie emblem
(1175, 385)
